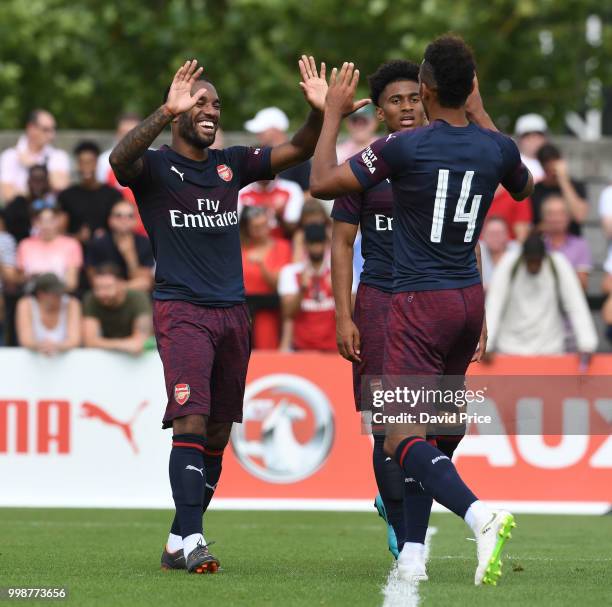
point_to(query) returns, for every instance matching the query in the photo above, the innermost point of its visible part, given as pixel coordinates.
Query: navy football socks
(436, 473)
(188, 480)
(212, 469)
(390, 481)
(213, 461)
(448, 443)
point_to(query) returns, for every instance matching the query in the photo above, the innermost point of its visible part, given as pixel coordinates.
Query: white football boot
(490, 542)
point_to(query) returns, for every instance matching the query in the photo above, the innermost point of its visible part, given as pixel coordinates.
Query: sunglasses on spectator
(120, 215)
(252, 212)
(40, 203)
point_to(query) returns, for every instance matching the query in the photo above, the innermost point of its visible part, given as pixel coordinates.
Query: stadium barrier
(83, 430)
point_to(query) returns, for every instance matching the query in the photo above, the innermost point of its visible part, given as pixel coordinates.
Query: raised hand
(341, 92)
(474, 104)
(313, 84)
(180, 98)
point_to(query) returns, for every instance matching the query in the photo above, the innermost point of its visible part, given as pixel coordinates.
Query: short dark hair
(200, 79)
(548, 152)
(86, 146)
(534, 247)
(453, 68)
(38, 167)
(391, 71)
(48, 283)
(108, 269)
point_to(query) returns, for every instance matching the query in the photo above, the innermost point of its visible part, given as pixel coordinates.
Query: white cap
(268, 118)
(530, 123)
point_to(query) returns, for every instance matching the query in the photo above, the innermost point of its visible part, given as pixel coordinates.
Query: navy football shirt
(189, 210)
(373, 210)
(444, 178)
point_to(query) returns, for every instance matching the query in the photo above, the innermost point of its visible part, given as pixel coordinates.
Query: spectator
(33, 148)
(307, 302)
(555, 225)
(105, 173)
(528, 299)
(313, 212)
(557, 181)
(283, 200)
(362, 126)
(125, 123)
(530, 131)
(49, 251)
(605, 212)
(517, 216)
(495, 241)
(115, 317)
(263, 256)
(19, 212)
(121, 247)
(49, 320)
(8, 276)
(270, 125)
(87, 203)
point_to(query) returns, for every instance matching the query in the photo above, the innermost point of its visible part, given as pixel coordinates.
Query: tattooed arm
(126, 157)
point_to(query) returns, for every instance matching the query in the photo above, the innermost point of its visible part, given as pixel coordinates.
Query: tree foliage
(87, 60)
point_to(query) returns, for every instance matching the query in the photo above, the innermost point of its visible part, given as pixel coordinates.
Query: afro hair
(453, 68)
(391, 71)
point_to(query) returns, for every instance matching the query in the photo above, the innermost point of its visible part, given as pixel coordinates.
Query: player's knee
(218, 435)
(391, 444)
(190, 424)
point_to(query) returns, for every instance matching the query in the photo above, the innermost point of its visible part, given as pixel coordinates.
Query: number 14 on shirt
(461, 216)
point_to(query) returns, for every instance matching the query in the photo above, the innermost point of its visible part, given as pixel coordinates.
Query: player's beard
(188, 131)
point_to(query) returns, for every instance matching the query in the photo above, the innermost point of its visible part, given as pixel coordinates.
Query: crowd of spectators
(77, 269)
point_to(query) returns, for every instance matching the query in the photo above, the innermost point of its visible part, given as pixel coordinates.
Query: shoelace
(204, 547)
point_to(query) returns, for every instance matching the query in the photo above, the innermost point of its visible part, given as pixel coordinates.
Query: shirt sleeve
(141, 303)
(347, 208)
(89, 305)
(59, 162)
(293, 208)
(144, 179)
(382, 159)
(74, 252)
(7, 164)
(254, 164)
(605, 202)
(7, 250)
(575, 304)
(584, 259)
(287, 281)
(514, 173)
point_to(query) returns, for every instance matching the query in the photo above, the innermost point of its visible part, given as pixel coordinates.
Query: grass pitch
(111, 557)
